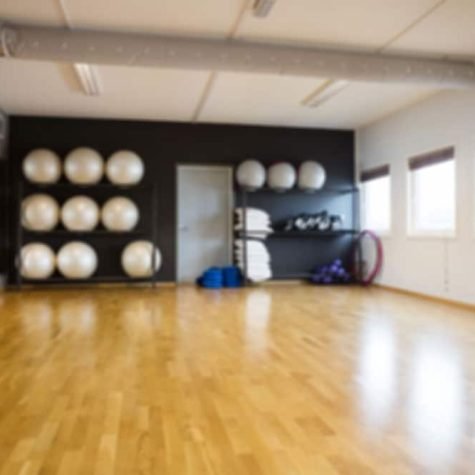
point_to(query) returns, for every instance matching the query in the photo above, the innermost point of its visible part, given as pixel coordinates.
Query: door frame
(230, 222)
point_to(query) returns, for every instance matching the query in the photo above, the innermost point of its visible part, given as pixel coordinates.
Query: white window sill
(432, 236)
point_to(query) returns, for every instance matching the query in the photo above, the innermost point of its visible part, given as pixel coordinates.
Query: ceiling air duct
(103, 47)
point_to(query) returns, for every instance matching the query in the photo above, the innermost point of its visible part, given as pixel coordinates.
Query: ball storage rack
(320, 237)
(147, 229)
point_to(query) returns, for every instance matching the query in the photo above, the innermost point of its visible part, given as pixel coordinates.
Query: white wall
(437, 267)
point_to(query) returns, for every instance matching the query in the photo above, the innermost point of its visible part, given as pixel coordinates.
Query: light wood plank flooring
(280, 380)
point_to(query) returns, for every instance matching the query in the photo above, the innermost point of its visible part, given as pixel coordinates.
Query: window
(432, 193)
(376, 199)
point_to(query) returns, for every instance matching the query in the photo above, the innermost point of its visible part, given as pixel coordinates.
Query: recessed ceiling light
(326, 91)
(262, 8)
(88, 77)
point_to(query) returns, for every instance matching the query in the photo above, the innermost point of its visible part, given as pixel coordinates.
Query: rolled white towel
(257, 266)
(252, 245)
(251, 251)
(259, 270)
(258, 235)
(252, 213)
(253, 264)
(265, 228)
(259, 276)
(253, 222)
(257, 256)
(250, 209)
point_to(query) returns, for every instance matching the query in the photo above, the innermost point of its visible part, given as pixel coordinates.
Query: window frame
(415, 164)
(368, 175)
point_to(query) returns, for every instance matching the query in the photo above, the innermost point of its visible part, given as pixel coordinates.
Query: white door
(204, 219)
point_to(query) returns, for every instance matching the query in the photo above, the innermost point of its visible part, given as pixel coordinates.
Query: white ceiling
(436, 27)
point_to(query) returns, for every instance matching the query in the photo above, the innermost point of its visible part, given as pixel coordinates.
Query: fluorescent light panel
(89, 79)
(326, 91)
(262, 8)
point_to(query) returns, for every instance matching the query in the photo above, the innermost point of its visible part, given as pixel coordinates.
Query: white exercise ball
(42, 166)
(137, 259)
(84, 166)
(124, 168)
(80, 213)
(77, 260)
(251, 175)
(120, 214)
(281, 176)
(312, 176)
(37, 261)
(39, 212)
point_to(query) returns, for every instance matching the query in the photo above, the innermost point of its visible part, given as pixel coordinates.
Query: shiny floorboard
(280, 380)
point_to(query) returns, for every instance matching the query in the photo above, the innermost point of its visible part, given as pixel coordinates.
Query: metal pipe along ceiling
(101, 47)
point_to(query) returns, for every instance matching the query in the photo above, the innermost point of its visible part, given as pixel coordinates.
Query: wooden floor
(281, 380)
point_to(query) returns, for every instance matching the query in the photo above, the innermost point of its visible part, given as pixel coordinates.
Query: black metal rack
(296, 234)
(351, 232)
(148, 229)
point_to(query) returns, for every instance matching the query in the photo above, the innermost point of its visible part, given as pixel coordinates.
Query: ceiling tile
(42, 88)
(364, 102)
(449, 30)
(348, 23)
(276, 100)
(258, 99)
(209, 17)
(45, 12)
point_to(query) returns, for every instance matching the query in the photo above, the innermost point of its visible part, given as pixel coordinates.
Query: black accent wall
(164, 145)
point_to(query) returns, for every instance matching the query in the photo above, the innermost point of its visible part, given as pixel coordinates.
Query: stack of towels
(258, 223)
(258, 227)
(258, 259)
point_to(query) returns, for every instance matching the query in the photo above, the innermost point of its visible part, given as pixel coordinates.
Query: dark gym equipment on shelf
(296, 253)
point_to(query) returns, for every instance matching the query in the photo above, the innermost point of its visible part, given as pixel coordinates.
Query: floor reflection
(36, 314)
(77, 315)
(436, 400)
(377, 374)
(256, 320)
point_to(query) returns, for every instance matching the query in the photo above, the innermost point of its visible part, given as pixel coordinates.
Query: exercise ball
(42, 166)
(84, 166)
(124, 168)
(37, 261)
(120, 214)
(80, 213)
(281, 176)
(251, 175)
(39, 212)
(137, 259)
(312, 176)
(77, 260)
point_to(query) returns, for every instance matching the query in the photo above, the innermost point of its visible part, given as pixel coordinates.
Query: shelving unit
(319, 200)
(55, 280)
(296, 191)
(95, 232)
(115, 241)
(297, 234)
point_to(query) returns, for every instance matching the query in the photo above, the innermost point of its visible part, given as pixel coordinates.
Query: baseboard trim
(89, 285)
(433, 298)
(282, 282)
